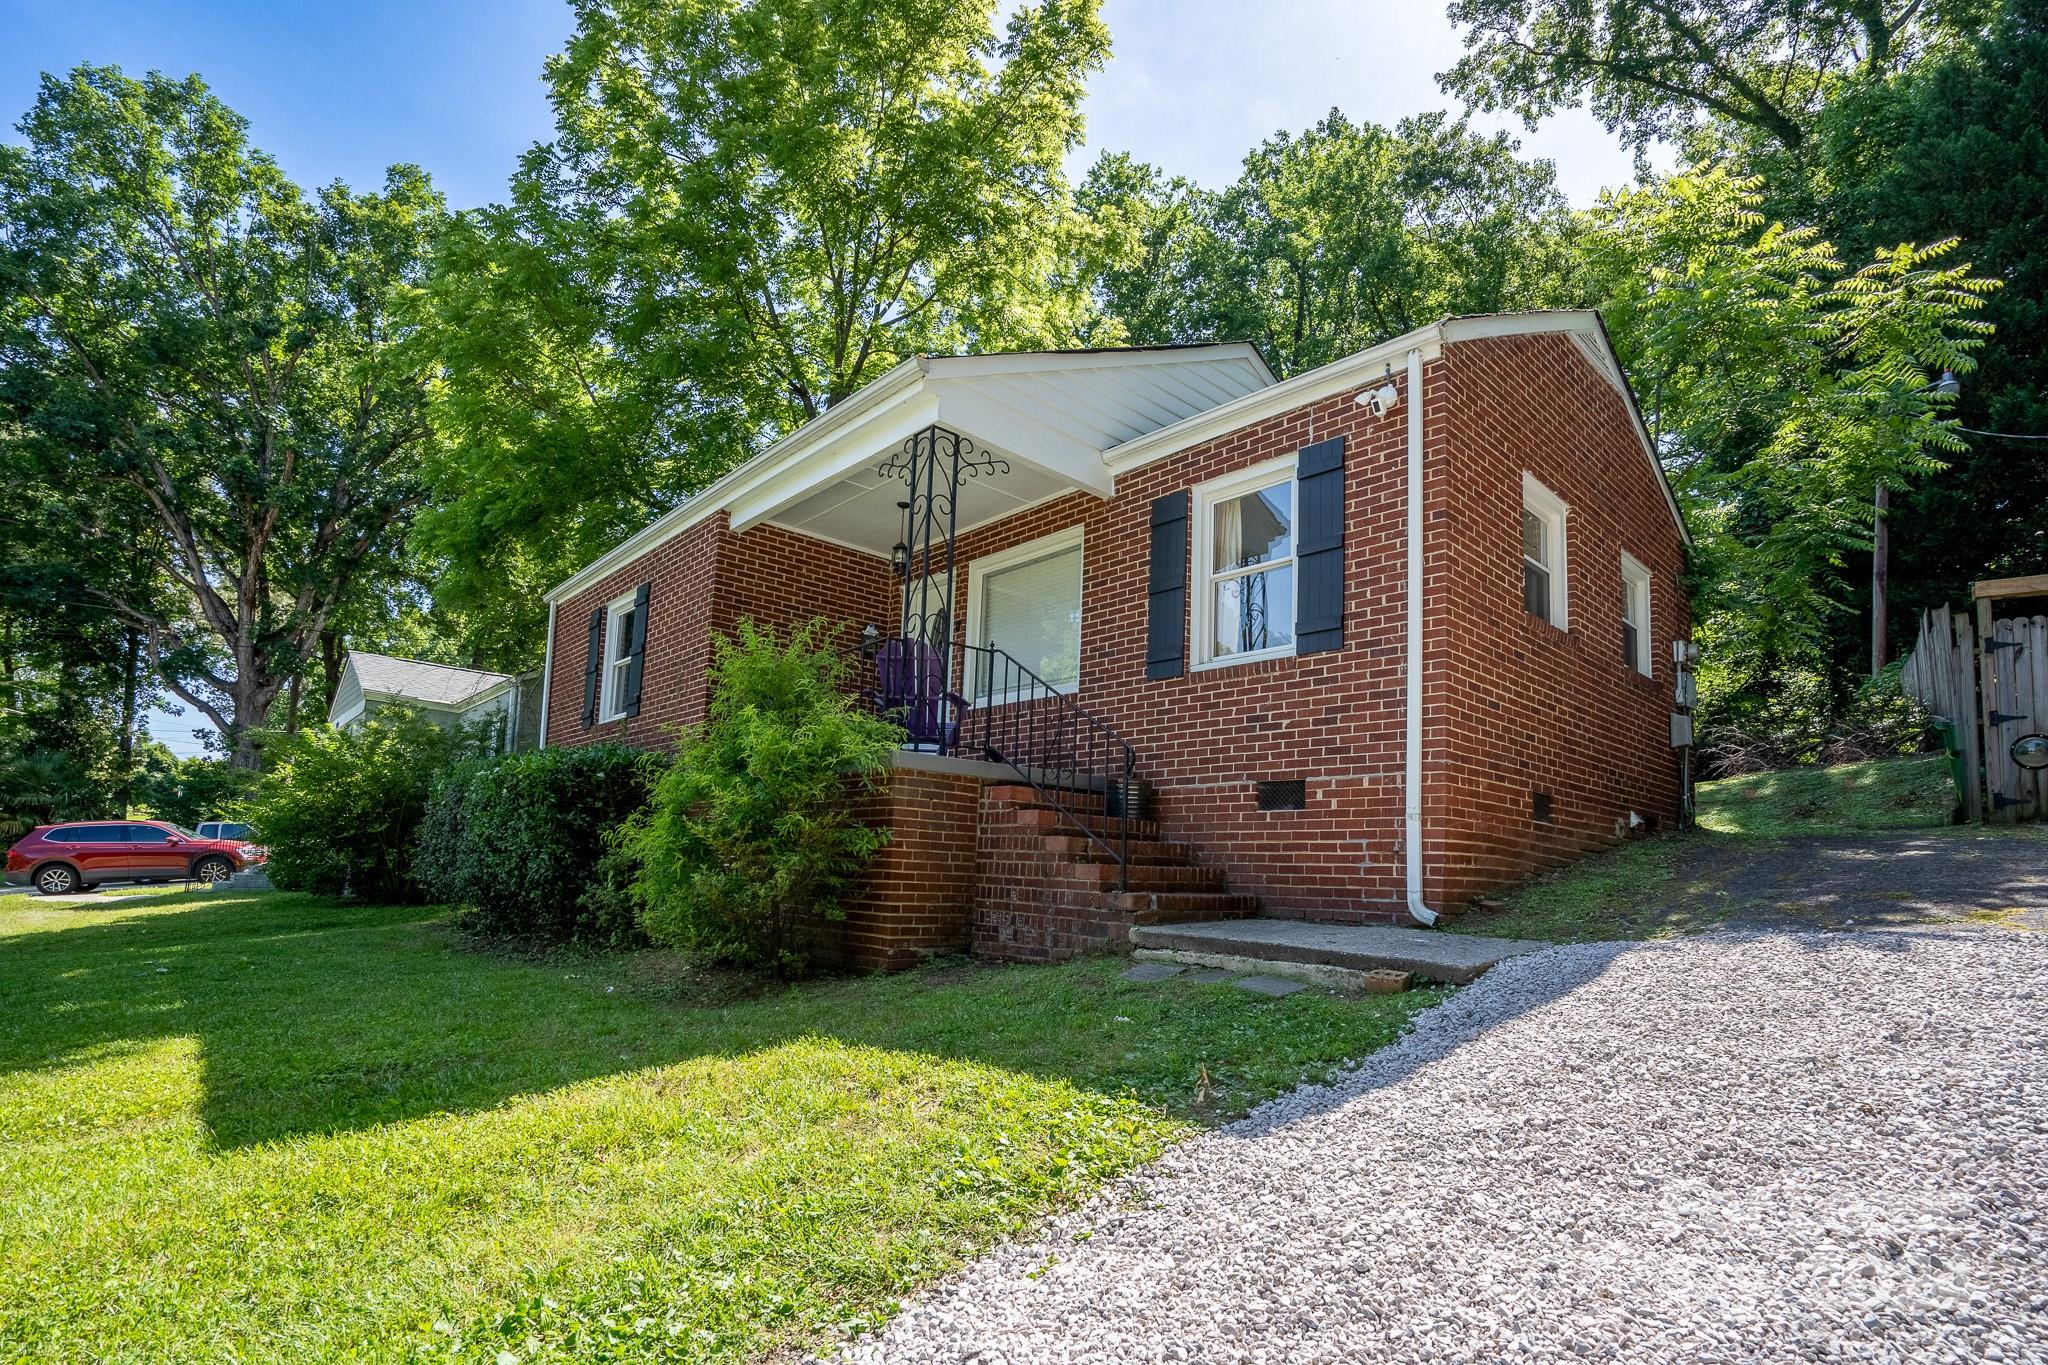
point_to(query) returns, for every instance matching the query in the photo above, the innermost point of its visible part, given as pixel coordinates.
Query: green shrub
(521, 841)
(339, 809)
(749, 842)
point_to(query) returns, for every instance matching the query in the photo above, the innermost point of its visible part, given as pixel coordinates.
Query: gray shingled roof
(417, 680)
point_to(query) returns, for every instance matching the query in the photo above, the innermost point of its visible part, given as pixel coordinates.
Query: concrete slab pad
(1434, 956)
(1269, 985)
(1153, 971)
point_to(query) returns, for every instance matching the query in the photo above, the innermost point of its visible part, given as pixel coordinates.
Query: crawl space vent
(1291, 794)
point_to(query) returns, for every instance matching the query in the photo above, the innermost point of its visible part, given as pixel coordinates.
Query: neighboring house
(1373, 657)
(448, 696)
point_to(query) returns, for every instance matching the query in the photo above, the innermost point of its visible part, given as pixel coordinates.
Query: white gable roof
(381, 677)
(1049, 414)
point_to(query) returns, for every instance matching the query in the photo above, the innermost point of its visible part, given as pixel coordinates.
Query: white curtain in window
(1229, 534)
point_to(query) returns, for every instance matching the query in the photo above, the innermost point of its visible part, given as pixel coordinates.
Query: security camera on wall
(1380, 401)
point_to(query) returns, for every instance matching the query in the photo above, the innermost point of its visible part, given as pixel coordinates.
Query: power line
(2002, 435)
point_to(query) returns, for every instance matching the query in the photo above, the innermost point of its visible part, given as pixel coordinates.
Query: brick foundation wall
(918, 895)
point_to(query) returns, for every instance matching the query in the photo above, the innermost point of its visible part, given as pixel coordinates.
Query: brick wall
(703, 582)
(1518, 706)
(1511, 705)
(918, 897)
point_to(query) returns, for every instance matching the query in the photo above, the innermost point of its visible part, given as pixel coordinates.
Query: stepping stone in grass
(1153, 971)
(1270, 985)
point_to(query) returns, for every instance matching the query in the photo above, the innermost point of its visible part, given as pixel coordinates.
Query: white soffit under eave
(1085, 401)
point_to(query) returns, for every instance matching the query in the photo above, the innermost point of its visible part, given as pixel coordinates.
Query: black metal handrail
(976, 701)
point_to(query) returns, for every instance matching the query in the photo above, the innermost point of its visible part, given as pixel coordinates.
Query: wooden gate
(1989, 682)
(2015, 689)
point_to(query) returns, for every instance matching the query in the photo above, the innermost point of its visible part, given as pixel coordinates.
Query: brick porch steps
(1183, 907)
(1058, 891)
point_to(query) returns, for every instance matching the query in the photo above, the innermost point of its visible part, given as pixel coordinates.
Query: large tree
(1332, 239)
(1959, 148)
(185, 333)
(1784, 388)
(749, 211)
(1652, 69)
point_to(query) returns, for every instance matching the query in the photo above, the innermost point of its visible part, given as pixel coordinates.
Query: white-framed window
(618, 657)
(1635, 616)
(1026, 602)
(1545, 587)
(1244, 565)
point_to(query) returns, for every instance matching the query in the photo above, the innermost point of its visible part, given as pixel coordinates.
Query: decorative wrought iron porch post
(931, 465)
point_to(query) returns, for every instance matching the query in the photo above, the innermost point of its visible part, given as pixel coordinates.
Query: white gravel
(1731, 1148)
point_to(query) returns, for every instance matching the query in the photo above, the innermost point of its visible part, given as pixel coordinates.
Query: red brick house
(1373, 641)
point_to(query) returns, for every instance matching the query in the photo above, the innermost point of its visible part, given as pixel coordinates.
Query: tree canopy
(749, 211)
(220, 360)
(1652, 69)
(1783, 388)
(1333, 239)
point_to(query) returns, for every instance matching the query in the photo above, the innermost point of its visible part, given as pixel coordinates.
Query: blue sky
(338, 89)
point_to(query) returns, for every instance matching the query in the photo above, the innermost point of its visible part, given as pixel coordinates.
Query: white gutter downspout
(547, 673)
(1411, 777)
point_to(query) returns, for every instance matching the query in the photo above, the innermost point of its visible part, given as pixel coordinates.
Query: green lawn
(1652, 888)
(1897, 793)
(269, 1127)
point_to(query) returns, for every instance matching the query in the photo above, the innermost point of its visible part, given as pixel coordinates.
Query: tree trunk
(131, 666)
(252, 696)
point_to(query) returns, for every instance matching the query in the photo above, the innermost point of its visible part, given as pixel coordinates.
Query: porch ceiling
(859, 508)
(1051, 415)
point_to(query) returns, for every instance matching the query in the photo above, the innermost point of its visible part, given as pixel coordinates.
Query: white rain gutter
(1411, 777)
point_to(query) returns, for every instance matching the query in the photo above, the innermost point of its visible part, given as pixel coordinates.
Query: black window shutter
(1319, 547)
(593, 661)
(637, 645)
(1166, 600)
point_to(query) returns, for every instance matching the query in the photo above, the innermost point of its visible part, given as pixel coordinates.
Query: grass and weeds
(1898, 793)
(273, 1127)
(1670, 884)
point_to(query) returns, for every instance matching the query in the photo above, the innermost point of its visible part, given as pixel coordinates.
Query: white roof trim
(1306, 387)
(774, 466)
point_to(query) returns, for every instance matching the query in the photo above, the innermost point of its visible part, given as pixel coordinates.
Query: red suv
(59, 859)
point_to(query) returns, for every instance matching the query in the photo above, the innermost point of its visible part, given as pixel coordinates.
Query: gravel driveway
(1737, 1147)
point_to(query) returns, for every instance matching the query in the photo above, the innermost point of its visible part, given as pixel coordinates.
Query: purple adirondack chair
(911, 690)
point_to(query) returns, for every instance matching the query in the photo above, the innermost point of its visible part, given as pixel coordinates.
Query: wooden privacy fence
(1941, 674)
(1990, 682)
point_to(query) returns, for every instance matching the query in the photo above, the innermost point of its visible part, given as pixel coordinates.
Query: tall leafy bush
(339, 809)
(521, 841)
(750, 842)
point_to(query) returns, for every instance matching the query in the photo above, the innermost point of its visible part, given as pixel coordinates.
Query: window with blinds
(1028, 605)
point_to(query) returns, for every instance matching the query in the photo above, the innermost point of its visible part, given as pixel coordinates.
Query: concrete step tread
(1451, 958)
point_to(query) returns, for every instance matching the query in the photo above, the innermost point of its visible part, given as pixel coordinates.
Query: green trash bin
(1952, 745)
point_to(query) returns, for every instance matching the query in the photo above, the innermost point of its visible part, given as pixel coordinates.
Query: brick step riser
(1027, 798)
(1046, 820)
(1081, 848)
